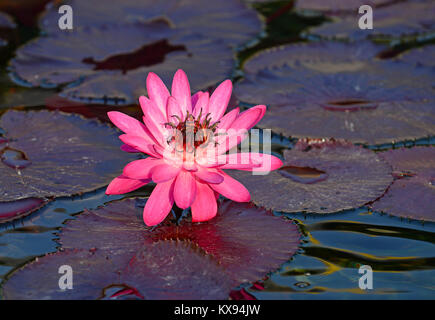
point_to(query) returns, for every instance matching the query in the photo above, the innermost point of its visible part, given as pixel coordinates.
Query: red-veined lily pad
(13, 210)
(337, 6)
(51, 154)
(320, 176)
(412, 195)
(408, 18)
(162, 270)
(424, 56)
(162, 37)
(246, 241)
(99, 111)
(388, 103)
(89, 110)
(113, 254)
(25, 11)
(323, 56)
(229, 20)
(114, 72)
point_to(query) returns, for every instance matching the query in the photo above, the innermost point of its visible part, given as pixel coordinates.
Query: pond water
(401, 252)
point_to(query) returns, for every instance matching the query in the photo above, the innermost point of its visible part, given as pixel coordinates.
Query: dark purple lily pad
(16, 209)
(113, 253)
(163, 270)
(89, 110)
(412, 195)
(25, 11)
(323, 56)
(404, 19)
(246, 241)
(6, 22)
(424, 56)
(337, 6)
(320, 176)
(162, 37)
(114, 72)
(229, 20)
(51, 154)
(388, 102)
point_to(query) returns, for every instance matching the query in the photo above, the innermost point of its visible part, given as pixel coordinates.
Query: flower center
(192, 133)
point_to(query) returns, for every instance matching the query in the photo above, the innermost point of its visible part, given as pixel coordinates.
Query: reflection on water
(400, 252)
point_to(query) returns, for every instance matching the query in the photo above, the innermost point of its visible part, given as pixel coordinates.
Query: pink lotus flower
(187, 139)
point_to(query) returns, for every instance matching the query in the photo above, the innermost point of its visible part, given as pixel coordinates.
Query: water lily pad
(337, 6)
(6, 22)
(13, 210)
(99, 111)
(424, 56)
(398, 20)
(389, 102)
(412, 194)
(25, 11)
(229, 20)
(320, 176)
(89, 110)
(113, 254)
(323, 56)
(114, 72)
(51, 154)
(246, 241)
(163, 270)
(162, 37)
